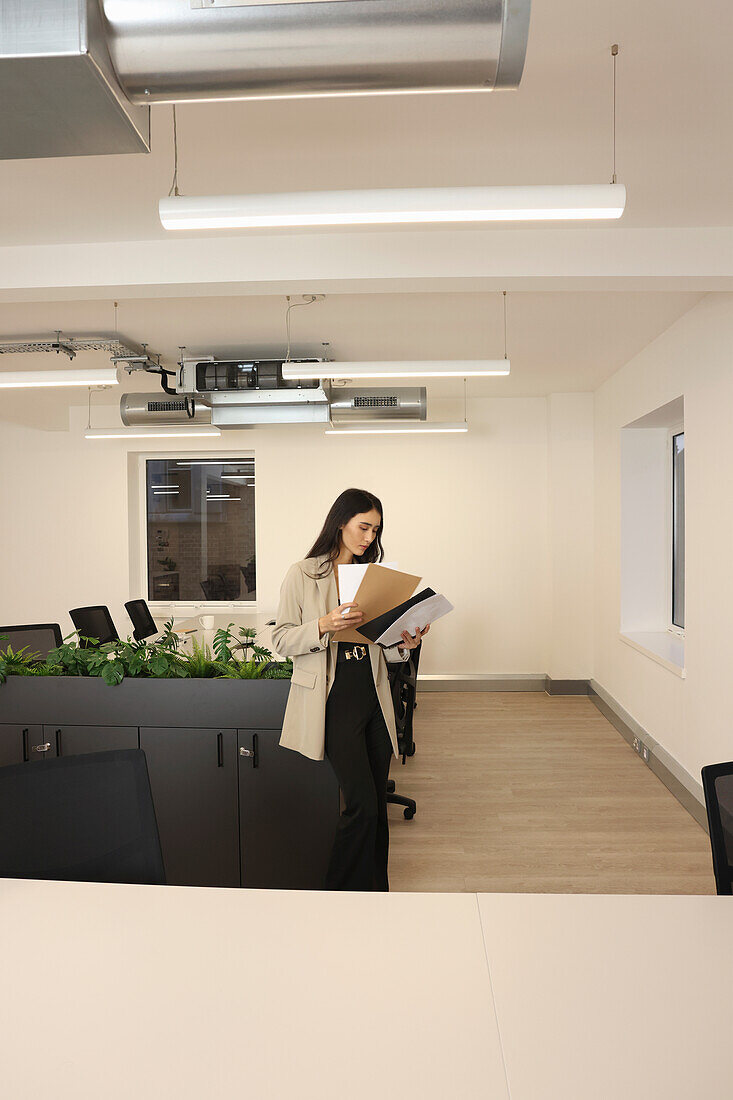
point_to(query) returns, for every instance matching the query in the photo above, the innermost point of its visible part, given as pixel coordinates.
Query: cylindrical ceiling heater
(146, 408)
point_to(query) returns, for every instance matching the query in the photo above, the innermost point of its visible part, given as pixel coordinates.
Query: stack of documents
(385, 596)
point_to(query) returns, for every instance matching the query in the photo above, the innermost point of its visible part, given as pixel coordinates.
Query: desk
(180, 993)
(183, 993)
(612, 997)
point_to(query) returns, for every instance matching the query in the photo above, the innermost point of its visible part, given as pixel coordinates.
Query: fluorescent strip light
(352, 93)
(429, 368)
(217, 497)
(149, 433)
(417, 428)
(21, 379)
(394, 206)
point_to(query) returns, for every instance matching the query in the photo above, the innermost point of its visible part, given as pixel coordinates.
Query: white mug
(207, 621)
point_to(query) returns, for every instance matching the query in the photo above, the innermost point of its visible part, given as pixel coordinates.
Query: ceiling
(674, 153)
(674, 119)
(557, 342)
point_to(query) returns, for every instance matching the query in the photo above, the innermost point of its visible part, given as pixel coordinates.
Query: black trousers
(360, 751)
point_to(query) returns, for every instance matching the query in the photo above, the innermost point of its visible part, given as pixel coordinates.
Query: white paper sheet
(350, 578)
(417, 617)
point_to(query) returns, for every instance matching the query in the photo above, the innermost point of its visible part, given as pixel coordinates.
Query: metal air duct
(168, 51)
(151, 410)
(378, 403)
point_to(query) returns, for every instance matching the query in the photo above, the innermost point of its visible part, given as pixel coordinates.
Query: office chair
(403, 684)
(143, 623)
(214, 588)
(94, 622)
(717, 783)
(248, 572)
(86, 818)
(40, 638)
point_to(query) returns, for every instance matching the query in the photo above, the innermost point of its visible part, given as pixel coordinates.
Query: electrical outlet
(641, 749)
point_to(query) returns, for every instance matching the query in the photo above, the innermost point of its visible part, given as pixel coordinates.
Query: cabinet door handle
(220, 750)
(252, 753)
(42, 748)
(58, 742)
(25, 746)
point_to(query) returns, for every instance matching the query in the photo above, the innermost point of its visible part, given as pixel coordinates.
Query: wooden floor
(529, 792)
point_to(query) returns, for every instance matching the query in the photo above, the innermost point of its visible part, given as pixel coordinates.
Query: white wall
(570, 558)
(469, 513)
(690, 718)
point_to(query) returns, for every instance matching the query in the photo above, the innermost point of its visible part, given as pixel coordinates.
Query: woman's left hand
(408, 642)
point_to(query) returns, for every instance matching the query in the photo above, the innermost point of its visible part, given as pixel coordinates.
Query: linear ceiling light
(150, 433)
(426, 368)
(21, 379)
(394, 206)
(397, 429)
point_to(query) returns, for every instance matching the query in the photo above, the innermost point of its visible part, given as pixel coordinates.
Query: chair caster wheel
(409, 814)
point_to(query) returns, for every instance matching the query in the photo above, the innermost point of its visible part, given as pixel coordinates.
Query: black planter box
(143, 701)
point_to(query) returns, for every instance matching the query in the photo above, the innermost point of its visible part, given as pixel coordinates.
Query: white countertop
(154, 992)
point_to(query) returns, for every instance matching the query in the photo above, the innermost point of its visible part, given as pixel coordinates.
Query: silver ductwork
(77, 76)
(382, 402)
(156, 410)
(59, 95)
(168, 51)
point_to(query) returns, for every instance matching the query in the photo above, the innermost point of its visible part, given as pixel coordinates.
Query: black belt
(355, 652)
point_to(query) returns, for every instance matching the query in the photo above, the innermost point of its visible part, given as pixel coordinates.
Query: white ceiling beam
(530, 259)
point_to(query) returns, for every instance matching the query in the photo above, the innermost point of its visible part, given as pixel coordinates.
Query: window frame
(672, 431)
(184, 608)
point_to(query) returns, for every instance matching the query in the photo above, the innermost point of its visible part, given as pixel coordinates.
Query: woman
(340, 703)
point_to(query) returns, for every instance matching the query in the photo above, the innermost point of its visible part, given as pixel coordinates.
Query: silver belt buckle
(358, 652)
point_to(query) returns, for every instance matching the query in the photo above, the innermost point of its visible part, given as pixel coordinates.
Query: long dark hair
(350, 503)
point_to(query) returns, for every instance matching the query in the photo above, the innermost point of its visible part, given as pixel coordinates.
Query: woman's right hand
(336, 620)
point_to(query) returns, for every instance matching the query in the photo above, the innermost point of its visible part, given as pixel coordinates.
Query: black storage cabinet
(234, 808)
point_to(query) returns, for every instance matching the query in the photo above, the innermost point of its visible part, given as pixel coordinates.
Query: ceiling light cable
(309, 299)
(174, 183)
(504, 293)
(614, 55)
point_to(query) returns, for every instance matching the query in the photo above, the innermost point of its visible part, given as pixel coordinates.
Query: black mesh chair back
(142, 621)
(39, 638)
(403, 687)
(94, 622)
(86, 818)
(717, 783)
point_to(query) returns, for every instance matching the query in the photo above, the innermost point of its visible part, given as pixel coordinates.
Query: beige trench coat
(303, 602)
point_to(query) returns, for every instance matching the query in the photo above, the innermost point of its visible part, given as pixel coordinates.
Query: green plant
(200, 663)
(18, 663)
(115, 661)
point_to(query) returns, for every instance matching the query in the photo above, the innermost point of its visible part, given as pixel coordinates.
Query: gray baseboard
(687, 790)
(566, 687)
(481, 681)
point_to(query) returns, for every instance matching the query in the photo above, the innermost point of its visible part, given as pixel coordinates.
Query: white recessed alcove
(646, 536)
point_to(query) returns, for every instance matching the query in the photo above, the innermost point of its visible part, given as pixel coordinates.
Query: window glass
(201, 529)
